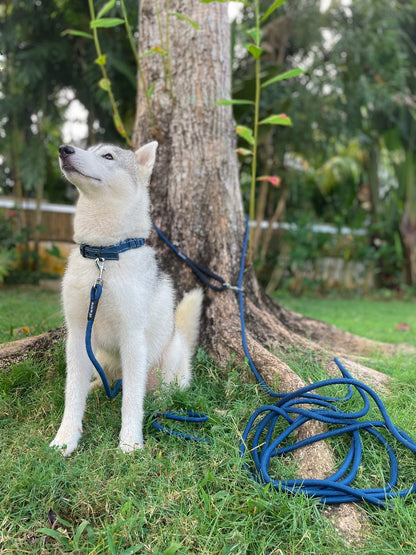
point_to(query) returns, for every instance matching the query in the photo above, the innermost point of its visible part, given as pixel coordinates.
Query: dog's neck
(104, 223)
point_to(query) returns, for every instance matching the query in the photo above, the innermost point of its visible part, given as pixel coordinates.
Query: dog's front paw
(130, 447)
(66, 442)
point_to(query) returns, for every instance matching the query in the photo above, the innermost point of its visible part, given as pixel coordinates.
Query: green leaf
(286, 75)
(101, 61)
(254, 50)
(150, 90)
(270, 10)
(80, 530)
(254, 34)
(131, 550)
(186, 18)
(106, 8)
(56, 536)
(226, 102)
(104, 84)
(245, 133)
(110, 543)
(276, 120)
(172, 549)
(76, 33)
(106, 22)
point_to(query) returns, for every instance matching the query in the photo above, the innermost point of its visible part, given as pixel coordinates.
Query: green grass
(173, 496)
(28, 307)
(374, 319)
(362, 316)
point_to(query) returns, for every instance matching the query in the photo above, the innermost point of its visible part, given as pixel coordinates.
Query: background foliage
(347, 160)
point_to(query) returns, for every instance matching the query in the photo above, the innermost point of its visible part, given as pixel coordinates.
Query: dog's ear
(145, 157)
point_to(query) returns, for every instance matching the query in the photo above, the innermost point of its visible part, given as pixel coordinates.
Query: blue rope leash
(204, 274)
(189, 417)
(302, 406)
(95, 295)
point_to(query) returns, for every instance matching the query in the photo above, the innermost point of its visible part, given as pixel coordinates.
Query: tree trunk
(197, 201)
(195, 190)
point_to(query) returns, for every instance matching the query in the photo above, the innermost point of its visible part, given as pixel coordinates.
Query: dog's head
(107, 167)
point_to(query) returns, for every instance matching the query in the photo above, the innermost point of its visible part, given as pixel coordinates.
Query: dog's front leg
(134, 365)
(78, 376)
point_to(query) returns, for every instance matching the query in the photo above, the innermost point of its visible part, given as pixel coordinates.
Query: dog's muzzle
(65, 151)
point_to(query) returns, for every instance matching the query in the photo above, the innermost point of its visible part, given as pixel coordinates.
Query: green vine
(253, 47)
(105, 82)
(250, 135)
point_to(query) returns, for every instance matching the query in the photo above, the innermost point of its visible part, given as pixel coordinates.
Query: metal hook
(100, 265)
(233, 287)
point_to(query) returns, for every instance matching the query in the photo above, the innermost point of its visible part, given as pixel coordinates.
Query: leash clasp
(233, 287)
(100, 265)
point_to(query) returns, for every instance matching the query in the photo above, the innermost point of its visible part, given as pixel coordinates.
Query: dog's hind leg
(177, 357)
(134, 364)
(176, 362)
(78, 376)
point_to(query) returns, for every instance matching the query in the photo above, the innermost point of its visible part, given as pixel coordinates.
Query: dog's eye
(108, 156)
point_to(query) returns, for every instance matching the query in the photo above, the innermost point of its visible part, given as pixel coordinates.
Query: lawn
(28, 310)
(390, 321)
(360, 315)
(174, 496)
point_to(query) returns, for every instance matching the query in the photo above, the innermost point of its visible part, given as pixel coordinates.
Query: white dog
(137, 331)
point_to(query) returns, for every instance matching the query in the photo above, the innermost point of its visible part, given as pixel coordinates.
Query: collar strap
(110, 252)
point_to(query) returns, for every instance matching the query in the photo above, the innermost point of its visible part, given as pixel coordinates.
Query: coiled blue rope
(304, 405)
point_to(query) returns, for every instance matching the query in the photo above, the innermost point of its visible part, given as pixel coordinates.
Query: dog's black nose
(65, 151)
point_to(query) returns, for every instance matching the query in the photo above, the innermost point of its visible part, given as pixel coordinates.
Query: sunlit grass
(176, 496)
(28, 311)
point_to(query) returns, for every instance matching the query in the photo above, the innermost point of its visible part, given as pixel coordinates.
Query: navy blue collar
(110, 252)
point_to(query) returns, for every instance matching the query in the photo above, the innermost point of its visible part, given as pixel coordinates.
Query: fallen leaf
(20, 332)
(403, 326)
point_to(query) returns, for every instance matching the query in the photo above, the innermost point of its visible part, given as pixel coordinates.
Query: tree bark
(197, 202)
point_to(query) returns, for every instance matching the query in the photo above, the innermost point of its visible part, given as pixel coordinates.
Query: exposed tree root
(39, 345)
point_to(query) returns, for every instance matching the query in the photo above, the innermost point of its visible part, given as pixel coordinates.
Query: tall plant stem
(116, 115)
(252, 207)
(168, 61)
(162, 43)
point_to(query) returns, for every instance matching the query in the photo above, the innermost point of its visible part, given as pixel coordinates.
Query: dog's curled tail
(188, 315)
